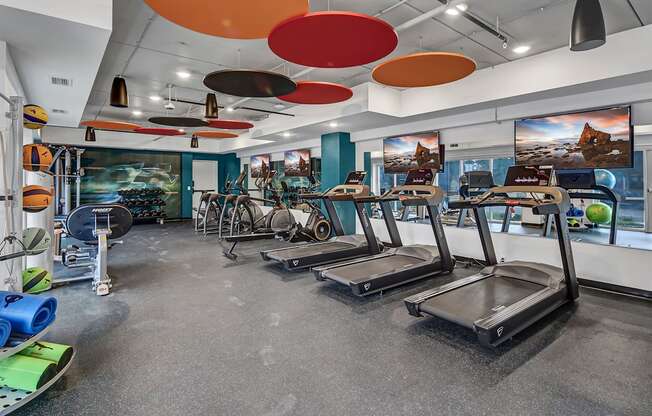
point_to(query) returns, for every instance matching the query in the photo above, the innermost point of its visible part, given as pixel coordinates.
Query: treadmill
(399, 264)
(338, 248)
(505, 298)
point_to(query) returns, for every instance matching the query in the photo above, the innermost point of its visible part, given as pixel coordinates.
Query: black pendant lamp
(211, 106)
(587, 30)
(90, 135)
(194, 142)
(119, 97)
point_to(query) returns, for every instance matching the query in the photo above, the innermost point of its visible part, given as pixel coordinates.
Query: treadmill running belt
(311, 250)
(359, 272)
(468, 303)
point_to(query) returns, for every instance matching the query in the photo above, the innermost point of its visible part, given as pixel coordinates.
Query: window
(475, 164)
(630, 184)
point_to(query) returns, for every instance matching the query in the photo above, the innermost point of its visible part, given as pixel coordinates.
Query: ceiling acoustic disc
(210, 134)
(230, 124)
(235, 19)
(423, 69)
(333, 39)
(249, 83)
(313, 92)
(159, 131)
(179, 121)
(110, 125)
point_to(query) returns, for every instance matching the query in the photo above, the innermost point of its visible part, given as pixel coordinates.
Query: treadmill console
(576, 179)
(355, 178)
(420, 177)
(528, 176)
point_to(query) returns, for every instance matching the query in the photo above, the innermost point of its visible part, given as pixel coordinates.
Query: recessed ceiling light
(462, 7)
(286, 134)
(521, 49)
(230, 109)
(183, 74)
(279, 106)
(155, 98)
(333, 124)
(137, 113)
(182, 131)
(452, 12)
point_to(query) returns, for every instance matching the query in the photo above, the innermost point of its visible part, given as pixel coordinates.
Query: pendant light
(90, 135)
(119, 97)
(211, 106)
(587, 30)
(194, 142)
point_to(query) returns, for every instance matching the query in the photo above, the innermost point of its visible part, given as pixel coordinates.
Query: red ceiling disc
(159, 131)
(312, 92)
(229, 124)
(211, 134)
(333, 39)
(110, 125)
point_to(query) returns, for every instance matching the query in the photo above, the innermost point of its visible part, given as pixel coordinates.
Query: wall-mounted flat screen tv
(297, 162)
(259, 166)
(589, 139)
(412, 151)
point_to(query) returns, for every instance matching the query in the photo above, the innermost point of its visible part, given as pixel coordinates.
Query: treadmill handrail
(346, 192)
(557, 196)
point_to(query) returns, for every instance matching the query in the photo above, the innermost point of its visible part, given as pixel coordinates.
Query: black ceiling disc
(248, 83)
(179, 121)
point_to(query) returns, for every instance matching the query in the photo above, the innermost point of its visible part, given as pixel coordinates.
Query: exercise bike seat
(82, 221)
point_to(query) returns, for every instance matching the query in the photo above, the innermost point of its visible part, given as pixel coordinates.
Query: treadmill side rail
(503, 325)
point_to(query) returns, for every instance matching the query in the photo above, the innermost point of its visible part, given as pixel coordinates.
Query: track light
(462, 7)
(211, 106)
(119, 96)
(452, 12)
(183, 74)
(194, 142)
(587, 30)
(90, 135)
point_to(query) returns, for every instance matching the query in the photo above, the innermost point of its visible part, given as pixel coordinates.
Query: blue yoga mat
(5, 331)
(28, 314)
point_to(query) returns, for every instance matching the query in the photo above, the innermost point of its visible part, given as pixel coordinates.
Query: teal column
(186, 185)
(367, 179)
(337, 160)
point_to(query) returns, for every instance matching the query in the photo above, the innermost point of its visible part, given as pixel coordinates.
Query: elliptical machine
(317, 227)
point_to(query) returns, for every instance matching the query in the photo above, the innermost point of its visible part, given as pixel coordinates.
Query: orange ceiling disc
(211, 134)
(235, 19)
(423, 69)
(110, 125)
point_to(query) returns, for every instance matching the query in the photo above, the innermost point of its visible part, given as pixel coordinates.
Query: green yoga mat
(26, 373)
(57, 353)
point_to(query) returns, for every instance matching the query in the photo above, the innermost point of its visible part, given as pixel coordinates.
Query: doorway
(204, 178)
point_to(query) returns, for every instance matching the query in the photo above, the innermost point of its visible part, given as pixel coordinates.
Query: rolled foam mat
(28, 314)
(26, 373)
(5, 331)
(56, 353)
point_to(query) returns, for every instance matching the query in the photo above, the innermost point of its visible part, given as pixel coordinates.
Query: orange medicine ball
(36, 198)
(36, 157)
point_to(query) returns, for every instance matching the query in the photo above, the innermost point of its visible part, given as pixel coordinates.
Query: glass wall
(630, 185)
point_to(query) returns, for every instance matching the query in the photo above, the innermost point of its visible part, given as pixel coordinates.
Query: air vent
(59, 111)
(62, 82)
(454, 145)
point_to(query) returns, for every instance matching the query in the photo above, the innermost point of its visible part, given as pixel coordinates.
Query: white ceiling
(148, 50)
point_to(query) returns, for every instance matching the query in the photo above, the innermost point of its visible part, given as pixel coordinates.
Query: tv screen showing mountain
(259, 166)
(590, 139)
(412, 151)
(297, 163)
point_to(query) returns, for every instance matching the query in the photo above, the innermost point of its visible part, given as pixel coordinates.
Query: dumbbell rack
(144, 204)
(10, 398)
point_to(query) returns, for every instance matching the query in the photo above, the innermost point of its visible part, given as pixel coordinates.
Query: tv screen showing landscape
(259, 166)
(412, 151)
(590, 139)
(297, 163)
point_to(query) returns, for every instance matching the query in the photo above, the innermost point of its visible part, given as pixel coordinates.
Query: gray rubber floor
(187, 332)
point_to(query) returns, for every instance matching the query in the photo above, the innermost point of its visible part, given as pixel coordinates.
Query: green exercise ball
(599, 213)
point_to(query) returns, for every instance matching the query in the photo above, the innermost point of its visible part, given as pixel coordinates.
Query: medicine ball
(36, 280)
(36, 198)
(34, 117)
(36, 157)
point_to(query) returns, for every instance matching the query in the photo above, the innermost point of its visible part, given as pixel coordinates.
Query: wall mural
(297, 162)
(590, 139)
(412, 151)
(111, 172)
(259, 166)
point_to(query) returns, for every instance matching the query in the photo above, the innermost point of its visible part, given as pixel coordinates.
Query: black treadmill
(505, 298)
(399, 264)
(341, 247)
